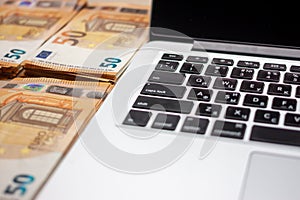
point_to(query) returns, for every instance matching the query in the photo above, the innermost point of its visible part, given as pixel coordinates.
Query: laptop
(207, 109)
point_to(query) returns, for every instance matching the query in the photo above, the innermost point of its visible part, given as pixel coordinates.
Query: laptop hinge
(242, 49)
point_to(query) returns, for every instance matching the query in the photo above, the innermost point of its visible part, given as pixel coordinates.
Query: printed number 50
(15, 54)
(21, 181)
(110, 62)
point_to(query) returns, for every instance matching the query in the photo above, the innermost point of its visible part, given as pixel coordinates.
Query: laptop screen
(251, 21)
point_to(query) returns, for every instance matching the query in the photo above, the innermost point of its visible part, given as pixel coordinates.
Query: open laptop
(208, 109)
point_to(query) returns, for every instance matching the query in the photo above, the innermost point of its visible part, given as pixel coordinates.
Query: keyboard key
(199, 81)
(214, 70)
(167, 66)
(292, 78)
(209, 110)
(292, 120)
(255, 101)
(163, 90)
(169, 56)
(252, 86)
(237, 113)
(229, 129)
(222, 61)
(197, 59)
(249, 64)
(200, 94)
(298, 92)
(274, 66)
(167, 77)
(270, 76)
(225, 84)
(242, 73)
(275, 135)
(227, 97)
(295, 68)
(284, 104)
(266, 116)
(137, 118)
(195, 125)
(191, 68)
(168, 105)
(166, 122)
(280, 89)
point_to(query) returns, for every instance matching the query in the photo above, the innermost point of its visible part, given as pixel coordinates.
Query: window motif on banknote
(47, 113)
(98, 24)
(27, 20)
(19, 25)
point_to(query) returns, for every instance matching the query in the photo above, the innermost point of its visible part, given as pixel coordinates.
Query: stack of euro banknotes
(59, 59)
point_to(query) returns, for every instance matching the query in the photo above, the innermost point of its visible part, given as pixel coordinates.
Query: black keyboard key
(249, 64)
(292, 78)
(284, 104)
(280, 89)
(166, 122)
(214, 70)
(191, 68)
(255, 101)
(292, 120)
(237, 113)
(167, 66)
(222, 61)
(169, 56)
(167, 77)
(266, 116)
(197, 59)
(252, 87)
(228, 97)
(163, 90)
(195, 125)
(225, 84)
(199, 81)
(209, 110)
(298, 92)
(274, 66)
(242, 73)
(168, 105)
(295, 68)
(200, 94)
(137, 118)
(270, 76)
(275, 135)
(229, 129)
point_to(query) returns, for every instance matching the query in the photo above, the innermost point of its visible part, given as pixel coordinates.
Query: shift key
(167, 77)
(169, 105)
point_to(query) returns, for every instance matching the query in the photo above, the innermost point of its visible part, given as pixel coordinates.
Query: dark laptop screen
(251, 21)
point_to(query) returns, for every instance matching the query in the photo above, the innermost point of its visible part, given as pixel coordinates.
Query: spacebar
(275, 135)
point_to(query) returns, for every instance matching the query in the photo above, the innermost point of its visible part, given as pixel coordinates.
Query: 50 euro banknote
(39, 120)
(26, 25)
(97, 43)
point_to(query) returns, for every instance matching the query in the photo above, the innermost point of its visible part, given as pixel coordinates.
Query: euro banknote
(26, 25)
(97, 43)
(40, 118)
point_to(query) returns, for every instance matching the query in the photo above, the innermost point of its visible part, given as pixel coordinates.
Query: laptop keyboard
(237, 99)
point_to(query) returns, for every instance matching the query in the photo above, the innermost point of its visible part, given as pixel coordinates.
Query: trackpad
(272, 177)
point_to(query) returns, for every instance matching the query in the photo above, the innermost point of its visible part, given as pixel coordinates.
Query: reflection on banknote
(26, 25)
(39, 119)
(98, 42)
